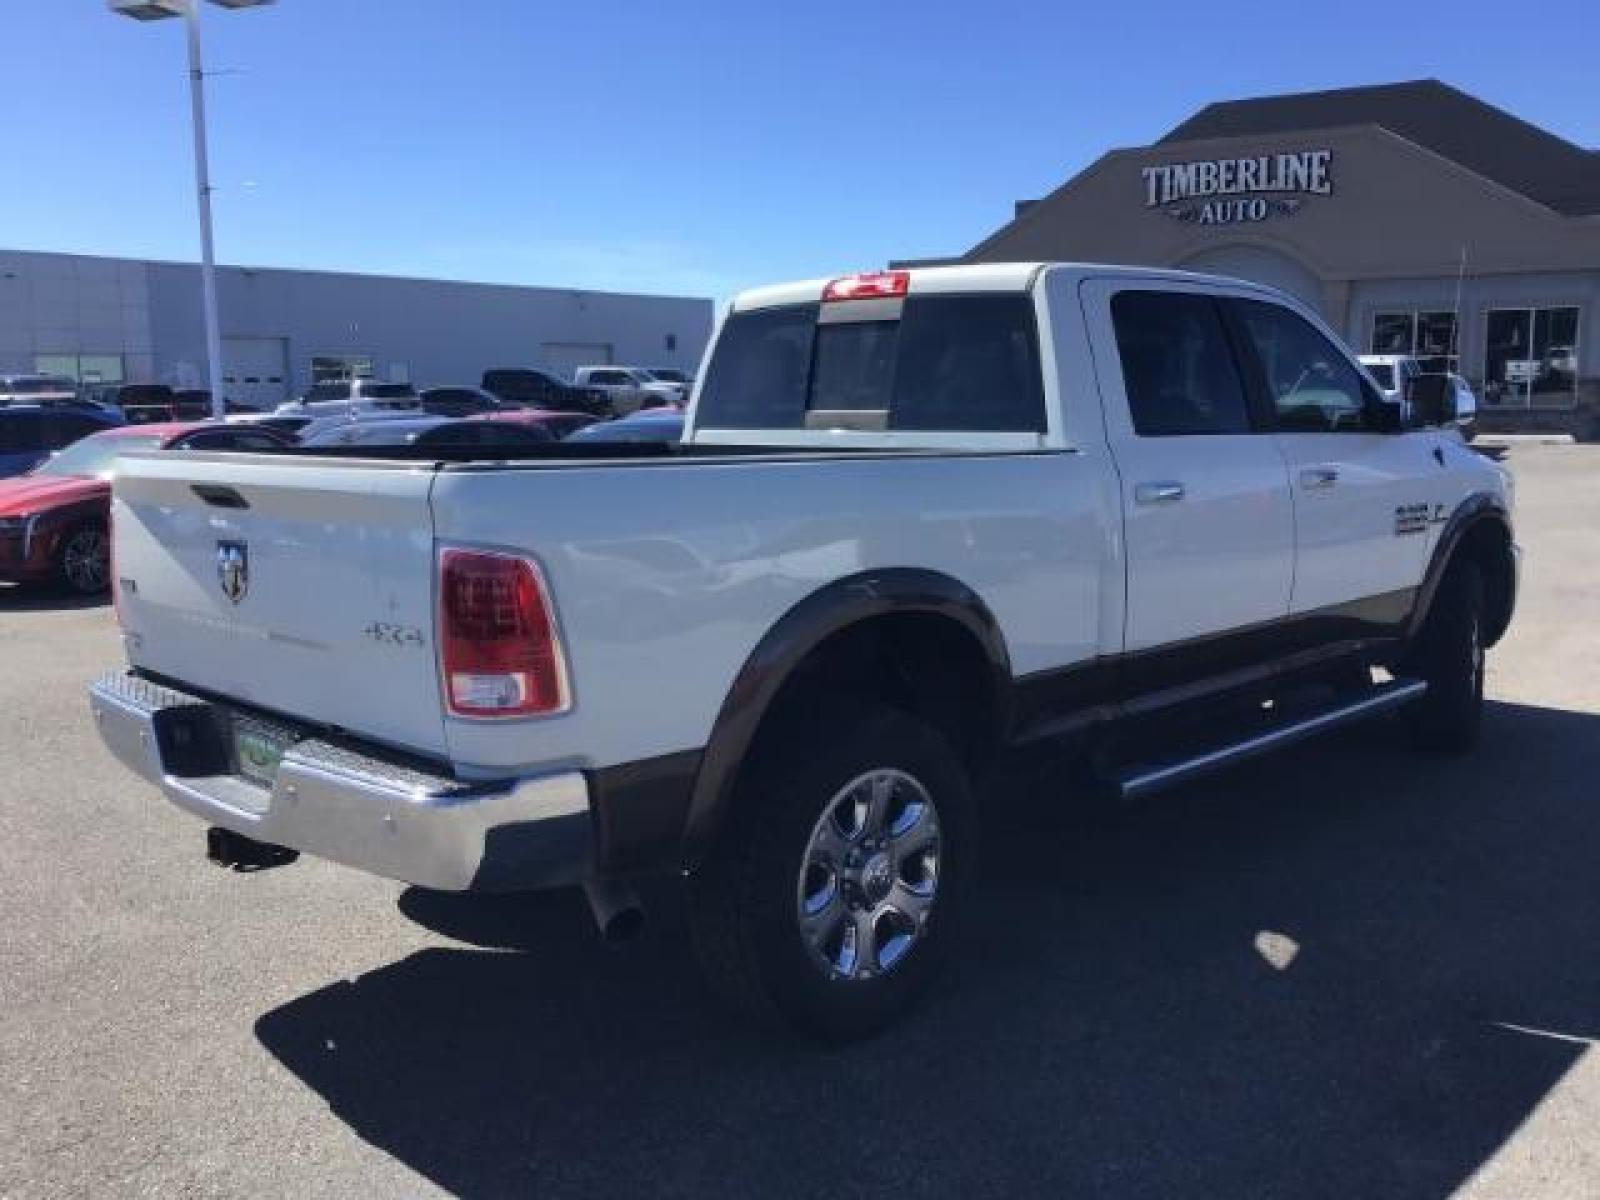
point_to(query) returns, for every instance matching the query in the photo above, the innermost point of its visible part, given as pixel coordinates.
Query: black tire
(83, 560)
(746, 903)
(1449, 655)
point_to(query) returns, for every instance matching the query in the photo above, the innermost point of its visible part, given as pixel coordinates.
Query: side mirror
(1432, 401)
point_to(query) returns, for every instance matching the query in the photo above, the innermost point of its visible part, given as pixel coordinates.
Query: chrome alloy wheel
(870, 874)
(86, 561)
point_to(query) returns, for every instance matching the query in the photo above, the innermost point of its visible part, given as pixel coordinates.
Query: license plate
(258, 753)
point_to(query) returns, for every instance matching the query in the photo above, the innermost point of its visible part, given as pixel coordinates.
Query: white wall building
(110, 319)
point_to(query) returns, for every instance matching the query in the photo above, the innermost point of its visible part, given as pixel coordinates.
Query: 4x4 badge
(233, 569)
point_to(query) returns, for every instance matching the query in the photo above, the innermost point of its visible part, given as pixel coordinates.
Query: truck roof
(975, 277)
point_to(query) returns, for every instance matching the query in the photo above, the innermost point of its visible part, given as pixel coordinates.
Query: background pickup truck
(918, 518)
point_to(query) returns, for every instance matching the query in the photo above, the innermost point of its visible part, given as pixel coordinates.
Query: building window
(340, 368)
(1436, 335)
(1422, 333)
(85, 368)
(672, 343)
(1393, 333)
(1530, 357)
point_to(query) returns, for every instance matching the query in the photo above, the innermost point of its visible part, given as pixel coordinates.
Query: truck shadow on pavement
(1334, 973)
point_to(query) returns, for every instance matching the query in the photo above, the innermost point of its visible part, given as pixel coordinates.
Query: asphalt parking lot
(1347, 971)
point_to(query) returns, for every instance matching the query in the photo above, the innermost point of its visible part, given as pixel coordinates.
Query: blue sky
(696, 147)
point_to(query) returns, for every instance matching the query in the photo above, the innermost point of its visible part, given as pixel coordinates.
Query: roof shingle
(1487, 140)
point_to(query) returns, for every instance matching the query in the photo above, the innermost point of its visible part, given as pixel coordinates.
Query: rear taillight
(498, 646)
(872, 285)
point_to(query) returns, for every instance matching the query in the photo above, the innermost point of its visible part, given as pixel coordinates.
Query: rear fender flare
(787, 644)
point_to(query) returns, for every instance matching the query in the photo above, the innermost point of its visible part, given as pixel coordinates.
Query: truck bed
(558, 452)
(663, 580)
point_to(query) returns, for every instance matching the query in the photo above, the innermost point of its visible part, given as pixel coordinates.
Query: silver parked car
(350, 396)
(1466, 406)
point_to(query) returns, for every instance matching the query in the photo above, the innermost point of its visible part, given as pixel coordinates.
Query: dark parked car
(560, 424)
(29, 434)
(526, 387)
(54, 519)
(196, 403)
(289, 426)
(243, 439)
(55, 391)
(646, 425)
(459, 400)
(37, 389)
(100, 395)
(430, 431)
(147, 403)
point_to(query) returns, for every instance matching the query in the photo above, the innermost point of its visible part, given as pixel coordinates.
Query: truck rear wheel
(1449, 654)
(833, 896)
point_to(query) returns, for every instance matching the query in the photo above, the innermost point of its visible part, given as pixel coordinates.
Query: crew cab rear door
(1207, 515)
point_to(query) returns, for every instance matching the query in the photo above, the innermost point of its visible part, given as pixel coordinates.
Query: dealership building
(110, 320)
(1416, 218)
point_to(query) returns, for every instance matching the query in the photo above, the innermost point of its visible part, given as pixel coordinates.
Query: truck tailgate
(297, 585)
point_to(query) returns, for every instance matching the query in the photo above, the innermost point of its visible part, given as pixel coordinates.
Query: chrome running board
(1140, 781)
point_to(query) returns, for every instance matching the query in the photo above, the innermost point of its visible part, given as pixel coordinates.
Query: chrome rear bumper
(357, 805)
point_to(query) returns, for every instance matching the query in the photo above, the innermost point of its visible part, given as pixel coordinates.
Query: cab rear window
(852, 367)
(960, 363)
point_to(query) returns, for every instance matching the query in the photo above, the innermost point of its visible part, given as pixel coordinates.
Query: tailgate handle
(218, 496)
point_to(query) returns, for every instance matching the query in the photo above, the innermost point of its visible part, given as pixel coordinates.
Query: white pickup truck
(918, 518)
(628, 388)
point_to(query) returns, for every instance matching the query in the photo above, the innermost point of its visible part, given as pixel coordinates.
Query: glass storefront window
(1391, 333)
(1425, 334)
(1436, 334)
(1531, 357)
(1555, 344)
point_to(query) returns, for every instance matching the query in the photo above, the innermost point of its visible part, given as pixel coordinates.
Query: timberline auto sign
(1232, 191)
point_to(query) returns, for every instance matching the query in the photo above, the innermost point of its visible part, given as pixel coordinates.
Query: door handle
(1166, 492)
(1319, 477)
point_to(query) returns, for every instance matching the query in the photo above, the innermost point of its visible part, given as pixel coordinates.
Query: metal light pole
(189, 10)
(202, 182)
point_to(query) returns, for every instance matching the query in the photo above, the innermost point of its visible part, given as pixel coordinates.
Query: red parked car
(558, 423)
(53, 520)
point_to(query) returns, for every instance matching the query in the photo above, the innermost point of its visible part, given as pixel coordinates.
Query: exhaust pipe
(617, 912)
